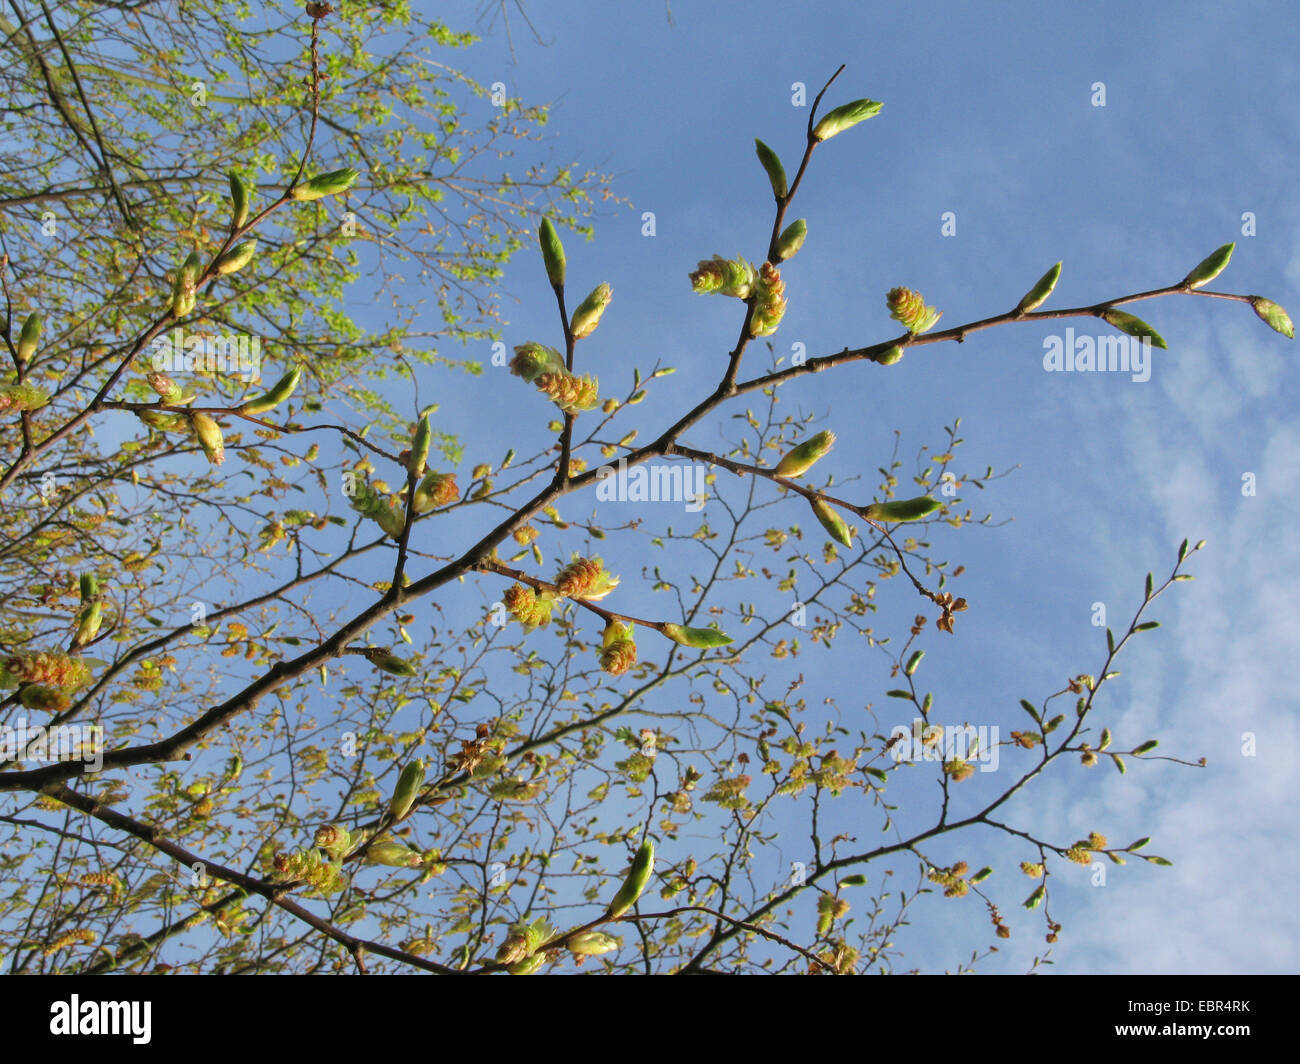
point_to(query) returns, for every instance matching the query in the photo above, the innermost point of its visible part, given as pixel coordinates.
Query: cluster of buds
(909, 308)
(335, 840)
(528, 607)
(544, 367)
(725, 277)
(522, 944)
(950, 606)
(585, 578)
(587, 316)
(951, 879)
(617, 648)
(435, 490)
(829, 909)
(44, 699)
(769, 302)
(323, 875)
(386, 512)
(168, 390)
(20, 397)
(48, 667)
(958, 770)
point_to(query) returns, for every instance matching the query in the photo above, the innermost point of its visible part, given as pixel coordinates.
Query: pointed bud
(1036, 295)
(890, 356)
(552, 252)
(328, 184)
(394, 854)
(587, 316)
(208, 433)
(183, 288)
(420, 447)
(791, 240)
(168, 390)
(1275, 316)
(775, 171)
(696, 638)
(277, 394)
(156, 419)
(1134, 326)
(902, 509)
(802, 458)
(637, 878)
(909, 308)
(1209, 267)
(239, 198)
(381, 659)
(593, 944)
(90, 616)
(29, 336)
(832, 521)
(408, 786)
(844, 117)
(237, 257)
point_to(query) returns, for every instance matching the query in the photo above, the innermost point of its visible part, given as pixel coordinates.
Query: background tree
(534, 793)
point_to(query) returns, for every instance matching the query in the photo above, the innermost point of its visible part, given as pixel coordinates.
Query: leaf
(1134, 326)
(1041, 290)
(1209, 267)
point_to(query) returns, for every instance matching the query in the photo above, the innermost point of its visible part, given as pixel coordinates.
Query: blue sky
(988, 113)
